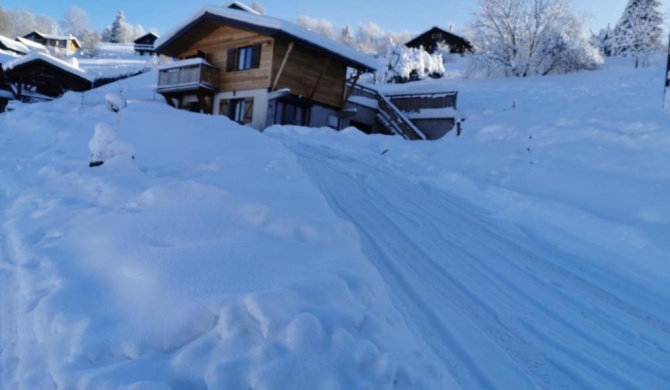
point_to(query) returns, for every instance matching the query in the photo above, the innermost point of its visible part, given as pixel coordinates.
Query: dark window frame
(243, 58)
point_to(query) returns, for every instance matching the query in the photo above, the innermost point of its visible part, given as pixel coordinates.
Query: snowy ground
(531, 252)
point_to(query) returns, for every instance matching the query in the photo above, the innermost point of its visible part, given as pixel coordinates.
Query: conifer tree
(639, 31)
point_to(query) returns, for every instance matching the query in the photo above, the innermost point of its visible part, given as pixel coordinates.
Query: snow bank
(210, 261)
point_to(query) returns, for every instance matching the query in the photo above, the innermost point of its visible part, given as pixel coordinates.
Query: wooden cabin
(431, 39)
(257, 70)
(39, 76)
(66, 44)
(145, 44)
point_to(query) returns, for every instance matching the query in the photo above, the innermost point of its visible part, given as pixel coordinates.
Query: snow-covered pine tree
(405, 64)
(604, 41)
(121, 31)
(638, 32)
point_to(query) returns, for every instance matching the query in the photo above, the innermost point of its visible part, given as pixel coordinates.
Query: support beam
(202, 99)
(281, 68)
(318, 80)
(169, 100)
(351, 88)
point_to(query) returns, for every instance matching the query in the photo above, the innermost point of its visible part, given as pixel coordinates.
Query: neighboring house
(10, 45)
(145, 44)
(65, 44)
(257, 70)
(431, 39)
(32, 45)
(38, 76)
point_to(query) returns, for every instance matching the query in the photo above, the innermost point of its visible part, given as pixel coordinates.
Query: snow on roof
(51, 60)
(14, 45)
(32, 45)
(183, 63)
(6, 94)
(273, 26)
(6, 56)
(241, 7)
(57, 37)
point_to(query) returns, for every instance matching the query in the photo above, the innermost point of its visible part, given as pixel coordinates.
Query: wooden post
(203, 103)
(281, 68)
(349, 91)
(169, 100)
(318, 80)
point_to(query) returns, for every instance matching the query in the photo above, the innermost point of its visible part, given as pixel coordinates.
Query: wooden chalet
(145, 44)
(66, 44)
(39, 76)
(257, 70)
(431, 39)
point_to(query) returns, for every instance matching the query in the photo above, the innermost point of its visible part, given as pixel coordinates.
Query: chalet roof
(41, 57)
(413, 41)
(32, 45)
(272, 27)
(7, 56)
(55, 37)
(143, 37)
(241, 7)
(10, 44)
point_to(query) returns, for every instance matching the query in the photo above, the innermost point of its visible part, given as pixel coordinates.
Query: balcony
(187, 76)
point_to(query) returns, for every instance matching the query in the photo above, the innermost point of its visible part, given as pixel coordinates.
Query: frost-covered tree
(409, 64)
(347, 36)
(323, 26)
(604, 41)
(75, 22)
(6, 23)
(529, 37)
(369, 37)
(89, 41)
(639, 31)
(258, 7)
(121, 32)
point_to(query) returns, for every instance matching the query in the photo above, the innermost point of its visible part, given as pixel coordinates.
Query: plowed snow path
(502, 308)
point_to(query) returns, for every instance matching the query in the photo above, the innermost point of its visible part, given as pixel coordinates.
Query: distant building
(66, 44)
(431, 39)
(145, 44)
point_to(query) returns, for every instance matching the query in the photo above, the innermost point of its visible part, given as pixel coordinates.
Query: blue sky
(391, 15)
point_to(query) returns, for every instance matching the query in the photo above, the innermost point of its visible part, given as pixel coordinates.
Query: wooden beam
(350, 90)
(281, 68)
(318, 80)
(203, 102)
(169, 100)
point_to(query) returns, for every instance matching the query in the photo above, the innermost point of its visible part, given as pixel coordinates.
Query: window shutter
(256, 56)
(230, 60)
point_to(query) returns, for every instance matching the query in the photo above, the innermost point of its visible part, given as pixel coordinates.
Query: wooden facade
(431, 39)
(69, 44)
(269, 71)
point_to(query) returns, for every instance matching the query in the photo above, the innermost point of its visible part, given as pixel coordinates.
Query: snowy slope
(531, 252)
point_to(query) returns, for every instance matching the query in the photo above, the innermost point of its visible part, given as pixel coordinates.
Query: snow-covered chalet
(260, 71)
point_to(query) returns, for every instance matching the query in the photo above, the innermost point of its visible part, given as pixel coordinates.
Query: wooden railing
(416, 102)
(392, 117)
(188, 78)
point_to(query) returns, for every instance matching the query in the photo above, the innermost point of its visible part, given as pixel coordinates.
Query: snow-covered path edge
(502, 309)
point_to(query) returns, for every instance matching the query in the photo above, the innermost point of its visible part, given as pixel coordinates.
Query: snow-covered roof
(32, 45)
(273, 27)
(56, 37)
(149, 34)
(183, 63)
(13, 45)
(6, 94)
(241, 7)
(6, 56)
(51, 60)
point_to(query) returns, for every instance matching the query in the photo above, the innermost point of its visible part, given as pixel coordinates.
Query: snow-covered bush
(105, 145)
(529, 37)
(409, 64)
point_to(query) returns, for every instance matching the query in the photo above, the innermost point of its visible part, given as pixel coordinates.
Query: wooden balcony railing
(187, 75)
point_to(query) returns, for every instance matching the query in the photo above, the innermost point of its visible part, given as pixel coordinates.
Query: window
(436, 36)
(243, 58)
(239, 110)
(289, 113)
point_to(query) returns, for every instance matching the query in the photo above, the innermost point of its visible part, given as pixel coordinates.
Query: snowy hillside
(530, 252)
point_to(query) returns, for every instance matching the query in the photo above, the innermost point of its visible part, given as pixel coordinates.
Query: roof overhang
(247, 23)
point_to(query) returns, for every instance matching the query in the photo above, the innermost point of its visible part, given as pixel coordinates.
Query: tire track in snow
(529, 307)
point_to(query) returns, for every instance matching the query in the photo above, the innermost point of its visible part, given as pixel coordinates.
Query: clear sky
(391, 15)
